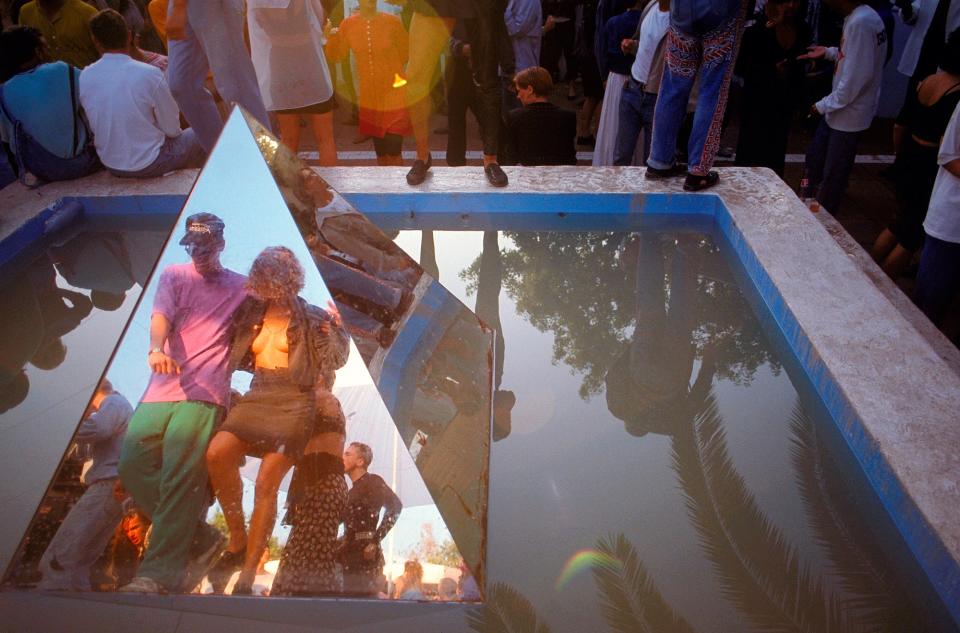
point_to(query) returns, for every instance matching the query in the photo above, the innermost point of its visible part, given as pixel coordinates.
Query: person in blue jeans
(640, 92)
(703, 40)
(207, 35)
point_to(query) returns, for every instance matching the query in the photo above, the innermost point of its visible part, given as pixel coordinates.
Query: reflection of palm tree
(758, 570)
(506, 611)
(862, 576)
(629, 600)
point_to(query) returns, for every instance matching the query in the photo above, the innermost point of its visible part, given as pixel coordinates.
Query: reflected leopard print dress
(318, 495)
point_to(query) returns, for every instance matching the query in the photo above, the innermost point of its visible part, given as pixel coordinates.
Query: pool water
(64, 303)
(659, 463)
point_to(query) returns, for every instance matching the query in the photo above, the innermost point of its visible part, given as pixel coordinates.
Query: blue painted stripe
(926, 546)
(65, 211)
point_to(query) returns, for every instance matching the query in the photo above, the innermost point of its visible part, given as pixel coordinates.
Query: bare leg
(899, 133)
(388, 160)
(289, 130)
(272, 470)
(323, 131)
(884, 244)
(223, 465)
(896, 262)
(429, 36)
(585, 120)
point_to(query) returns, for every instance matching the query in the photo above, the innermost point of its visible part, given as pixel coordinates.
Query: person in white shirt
(851, 105)
(640, 92)
(134, 118)
(938, 280)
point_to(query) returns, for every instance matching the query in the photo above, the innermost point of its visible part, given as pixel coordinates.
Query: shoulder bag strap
(73, 105)
(5, 110)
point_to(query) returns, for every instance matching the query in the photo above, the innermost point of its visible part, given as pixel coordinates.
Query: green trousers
(163, 466)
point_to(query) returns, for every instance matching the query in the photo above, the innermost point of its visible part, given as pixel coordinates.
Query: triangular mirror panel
(429, 355)
(236, 291)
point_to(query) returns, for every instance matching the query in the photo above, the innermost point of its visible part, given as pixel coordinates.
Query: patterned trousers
(308, 564)
(710, 56)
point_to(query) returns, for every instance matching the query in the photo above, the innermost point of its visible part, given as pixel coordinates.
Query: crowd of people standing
(140, 87)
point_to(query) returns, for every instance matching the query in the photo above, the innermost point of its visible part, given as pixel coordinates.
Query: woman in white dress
(286, 42)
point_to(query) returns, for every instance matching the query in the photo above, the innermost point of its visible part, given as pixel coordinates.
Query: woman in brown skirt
(291, 347)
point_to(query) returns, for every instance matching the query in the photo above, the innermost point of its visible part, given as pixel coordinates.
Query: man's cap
(202, 227)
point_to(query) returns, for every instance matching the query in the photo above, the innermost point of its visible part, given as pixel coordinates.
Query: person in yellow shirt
(380, 45)
(65, 25)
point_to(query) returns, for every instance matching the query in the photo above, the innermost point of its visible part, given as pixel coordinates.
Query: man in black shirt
(540, 133)
(361, 556)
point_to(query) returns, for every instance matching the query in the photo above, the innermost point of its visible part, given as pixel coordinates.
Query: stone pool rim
(889, 391)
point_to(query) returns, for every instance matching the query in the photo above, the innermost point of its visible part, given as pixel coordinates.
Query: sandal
(699, 183)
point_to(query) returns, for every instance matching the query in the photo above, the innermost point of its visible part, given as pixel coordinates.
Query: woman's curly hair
(276, 274)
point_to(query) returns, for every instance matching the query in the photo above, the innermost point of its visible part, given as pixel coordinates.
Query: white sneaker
(142, 584)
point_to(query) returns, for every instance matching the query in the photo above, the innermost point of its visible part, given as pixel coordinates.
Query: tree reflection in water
(581, 287)
(632, 314)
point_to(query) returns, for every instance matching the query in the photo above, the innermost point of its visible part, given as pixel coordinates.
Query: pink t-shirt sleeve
(165, 301)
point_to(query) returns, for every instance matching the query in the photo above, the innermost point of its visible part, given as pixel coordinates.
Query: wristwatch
(155, 350)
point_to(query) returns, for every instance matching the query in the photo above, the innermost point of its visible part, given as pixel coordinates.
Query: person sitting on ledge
(41, 123)
(540, 133)
(134, 118)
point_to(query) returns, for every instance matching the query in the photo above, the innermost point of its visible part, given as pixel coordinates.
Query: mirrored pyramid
(278, 323)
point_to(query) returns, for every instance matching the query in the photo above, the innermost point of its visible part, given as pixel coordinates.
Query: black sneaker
(228, 563)
(495, 175)
(675, 169)
(418, 172)
(207, 544)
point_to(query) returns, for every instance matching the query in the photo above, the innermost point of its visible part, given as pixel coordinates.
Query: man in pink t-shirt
(162, 462)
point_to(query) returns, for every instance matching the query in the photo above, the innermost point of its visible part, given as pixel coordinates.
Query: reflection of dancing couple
(208, 321)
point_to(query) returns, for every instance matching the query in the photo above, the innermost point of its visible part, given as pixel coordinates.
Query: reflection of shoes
(495, 175)
(142, 584)
(207, 544)
(386, 337)
(586, 141)
(669, 172)
(699, 183)
(418, 172)
(242, 589)
(223, 568)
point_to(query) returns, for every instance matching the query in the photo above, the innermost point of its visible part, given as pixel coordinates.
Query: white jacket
(852, 104)
(923, 11)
